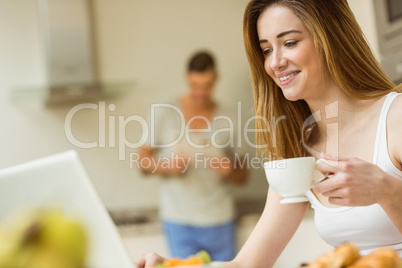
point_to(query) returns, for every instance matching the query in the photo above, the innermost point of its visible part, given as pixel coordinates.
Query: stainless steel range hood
(68, 34)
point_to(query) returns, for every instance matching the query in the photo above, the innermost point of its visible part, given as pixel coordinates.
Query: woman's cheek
(266, 64)
(268, 69)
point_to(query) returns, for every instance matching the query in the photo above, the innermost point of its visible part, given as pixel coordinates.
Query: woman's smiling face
(291, 58)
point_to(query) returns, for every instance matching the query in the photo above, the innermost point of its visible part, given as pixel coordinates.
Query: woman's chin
(291, 94)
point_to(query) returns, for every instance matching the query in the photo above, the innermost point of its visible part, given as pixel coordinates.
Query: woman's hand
(148, 260)
(354, 182)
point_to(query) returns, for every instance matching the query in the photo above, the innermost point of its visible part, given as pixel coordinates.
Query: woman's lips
(287, 79)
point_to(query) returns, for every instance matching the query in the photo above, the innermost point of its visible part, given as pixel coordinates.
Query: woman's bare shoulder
(395, 113)
(394, 131)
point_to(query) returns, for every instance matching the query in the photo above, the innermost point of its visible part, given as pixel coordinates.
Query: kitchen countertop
(147, 236)
(147, 220)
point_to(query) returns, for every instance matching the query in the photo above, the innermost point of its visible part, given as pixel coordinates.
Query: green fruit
(12, 245)
(64, 236)
(48, 258)
(48, 239)
(8, 253)
(204, 256)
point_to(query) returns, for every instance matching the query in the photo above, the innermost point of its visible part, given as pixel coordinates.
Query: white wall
(140, 40)
(364, 13)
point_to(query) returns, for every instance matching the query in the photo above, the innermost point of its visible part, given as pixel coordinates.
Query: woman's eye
(267, 51)
(291, 44)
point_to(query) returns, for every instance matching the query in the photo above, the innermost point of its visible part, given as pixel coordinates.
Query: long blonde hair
(342, 47)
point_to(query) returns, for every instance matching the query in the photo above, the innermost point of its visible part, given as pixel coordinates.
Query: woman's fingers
(140, 262)
(338, 201)
(354, 182)
(328, 169)
(327, 166)
(335, 184)
(327, 186)
(337, 158)
(148, 260)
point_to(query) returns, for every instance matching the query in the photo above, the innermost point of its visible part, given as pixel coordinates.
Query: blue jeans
(185, 240)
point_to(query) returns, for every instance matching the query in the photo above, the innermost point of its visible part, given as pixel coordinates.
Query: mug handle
(320, 180)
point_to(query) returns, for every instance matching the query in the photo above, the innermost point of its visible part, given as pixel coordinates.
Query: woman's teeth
(284, 78)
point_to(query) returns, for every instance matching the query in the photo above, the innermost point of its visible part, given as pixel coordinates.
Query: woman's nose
(278, 61)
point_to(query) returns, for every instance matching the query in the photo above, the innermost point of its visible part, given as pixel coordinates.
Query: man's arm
(175, 168)
(232, 170)
(238, 173)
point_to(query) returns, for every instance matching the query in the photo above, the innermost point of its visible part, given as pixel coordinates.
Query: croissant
(342, 256)
(347, 256)
(382, 258)
(328, 260)
(348, 253)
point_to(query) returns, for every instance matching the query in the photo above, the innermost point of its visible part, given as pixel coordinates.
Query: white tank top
(368, 227)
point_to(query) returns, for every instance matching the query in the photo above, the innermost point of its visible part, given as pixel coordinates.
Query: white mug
(291, 178)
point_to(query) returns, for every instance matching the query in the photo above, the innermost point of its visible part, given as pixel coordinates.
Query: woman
(310, 58)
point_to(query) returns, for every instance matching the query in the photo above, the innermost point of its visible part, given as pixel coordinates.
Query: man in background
(196, 207)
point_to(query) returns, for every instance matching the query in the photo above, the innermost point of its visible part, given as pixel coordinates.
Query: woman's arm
(276, 227)
(272, 233)
(393, 203)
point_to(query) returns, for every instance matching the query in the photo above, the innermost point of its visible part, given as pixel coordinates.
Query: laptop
(61, 181)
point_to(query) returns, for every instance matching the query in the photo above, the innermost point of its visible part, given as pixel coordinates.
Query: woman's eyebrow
(287, 32)
(281, 35)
